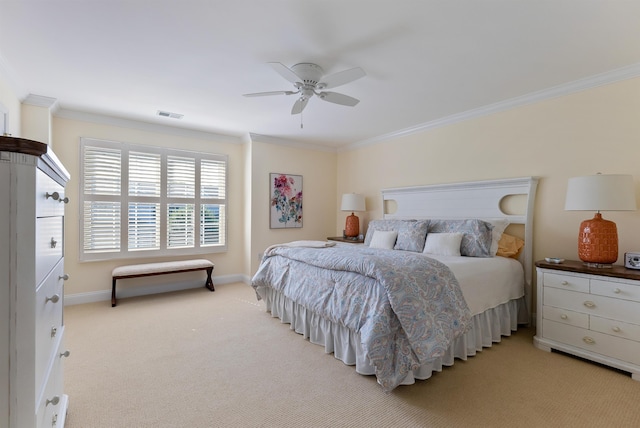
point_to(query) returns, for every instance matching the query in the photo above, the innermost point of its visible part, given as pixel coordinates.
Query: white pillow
(383, 239)
(443, 244)
(499, 225)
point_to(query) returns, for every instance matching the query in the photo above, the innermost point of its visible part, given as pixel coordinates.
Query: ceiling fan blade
(341, 77)
(262, 94)
(285, 72)
(299, 105)
(334, 97)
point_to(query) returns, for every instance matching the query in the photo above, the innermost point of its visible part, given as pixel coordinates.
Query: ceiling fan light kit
(309, 80)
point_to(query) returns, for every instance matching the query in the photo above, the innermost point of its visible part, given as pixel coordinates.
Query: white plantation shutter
(138, 201)
(181, 177)
(144, 174)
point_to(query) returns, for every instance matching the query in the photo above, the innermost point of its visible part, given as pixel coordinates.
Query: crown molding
(624, 73)
(42, 101)
(145, 126)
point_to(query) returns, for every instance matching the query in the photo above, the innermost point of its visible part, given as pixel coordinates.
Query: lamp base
(598, 242)
(352, 226)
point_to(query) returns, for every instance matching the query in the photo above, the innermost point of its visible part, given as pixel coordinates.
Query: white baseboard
(105, 295)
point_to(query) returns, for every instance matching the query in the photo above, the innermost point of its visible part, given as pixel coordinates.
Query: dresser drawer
(49, 245)
(48, 327)
(601, 306)
(52, 402)
(593, 341)
(616, 290)
(52, 205)
(566, 282)
(565, 316)
(615, 328)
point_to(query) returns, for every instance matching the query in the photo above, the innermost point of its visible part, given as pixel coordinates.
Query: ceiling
(426, 60)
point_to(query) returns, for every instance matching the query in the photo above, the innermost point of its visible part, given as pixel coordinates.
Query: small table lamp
(352, 202)
(598, 238)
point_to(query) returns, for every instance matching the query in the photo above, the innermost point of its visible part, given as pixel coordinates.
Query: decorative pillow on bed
(443, 244)
(411, 233)
(510, 246)
(383, 239)
(477, 238)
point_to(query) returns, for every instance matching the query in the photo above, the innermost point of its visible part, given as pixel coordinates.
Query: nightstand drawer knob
(564, 317)
(589, 304)
(565, 283)
(65, 353)
(588, 340)
(617, 291)
(616, 329)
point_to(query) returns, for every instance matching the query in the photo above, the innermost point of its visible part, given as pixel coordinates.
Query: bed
(396, 311)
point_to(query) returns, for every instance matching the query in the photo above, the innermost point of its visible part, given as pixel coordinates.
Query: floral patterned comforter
(406, 307)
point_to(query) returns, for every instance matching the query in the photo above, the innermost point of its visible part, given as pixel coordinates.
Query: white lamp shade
(352, 202)
(601, 192)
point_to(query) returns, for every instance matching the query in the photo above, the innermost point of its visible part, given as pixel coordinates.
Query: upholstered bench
(149, 269)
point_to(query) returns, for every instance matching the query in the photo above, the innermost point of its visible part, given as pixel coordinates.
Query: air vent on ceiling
(169, 114)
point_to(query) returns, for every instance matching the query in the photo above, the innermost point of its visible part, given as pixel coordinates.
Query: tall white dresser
(32, 202)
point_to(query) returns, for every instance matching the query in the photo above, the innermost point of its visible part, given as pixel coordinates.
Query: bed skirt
(487, 328)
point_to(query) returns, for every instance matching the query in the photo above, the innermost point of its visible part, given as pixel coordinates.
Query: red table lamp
(352, 202)
(598, 238)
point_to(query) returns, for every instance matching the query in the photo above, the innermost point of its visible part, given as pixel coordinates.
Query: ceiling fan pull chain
(301, 124)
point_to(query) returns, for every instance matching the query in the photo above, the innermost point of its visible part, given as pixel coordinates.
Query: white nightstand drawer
(566, 282)
(49, 245)
(615, 328)
(616, 290)
(593, 341)
(565, 316)
(53, 204)
(605, 307)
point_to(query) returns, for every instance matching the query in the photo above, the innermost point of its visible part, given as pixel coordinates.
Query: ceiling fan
(309, 80)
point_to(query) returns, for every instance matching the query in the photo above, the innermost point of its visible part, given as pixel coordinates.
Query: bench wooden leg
(113, 293)
(209, 283)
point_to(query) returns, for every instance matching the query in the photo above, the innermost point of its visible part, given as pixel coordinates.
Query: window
(139, 201)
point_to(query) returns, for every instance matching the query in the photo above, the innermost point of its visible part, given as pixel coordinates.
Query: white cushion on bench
(150, 268)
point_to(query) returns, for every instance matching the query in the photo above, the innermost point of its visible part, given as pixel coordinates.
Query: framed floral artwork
(286, 201)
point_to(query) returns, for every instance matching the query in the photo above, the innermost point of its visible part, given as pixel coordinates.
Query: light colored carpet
(201, 359)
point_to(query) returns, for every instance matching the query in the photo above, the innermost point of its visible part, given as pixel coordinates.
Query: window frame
(163, 200)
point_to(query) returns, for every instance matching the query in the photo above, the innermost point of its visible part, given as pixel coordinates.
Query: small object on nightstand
(553, 260)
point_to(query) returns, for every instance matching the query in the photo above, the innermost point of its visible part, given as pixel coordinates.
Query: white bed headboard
(474, 199)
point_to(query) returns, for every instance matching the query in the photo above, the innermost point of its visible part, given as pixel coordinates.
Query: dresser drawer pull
(53, 242)
(589, 304)
(564, 317)
(55, 196)
(64, 277)
(54, 299)
(65, 353)
(54, 331)
(616, 290)
(64, 200)
(588, 340)
(565, 283)
(55, 400)
(616, 329)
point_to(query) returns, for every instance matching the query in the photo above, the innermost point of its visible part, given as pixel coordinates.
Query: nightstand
(591, 313)
(343, 239)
